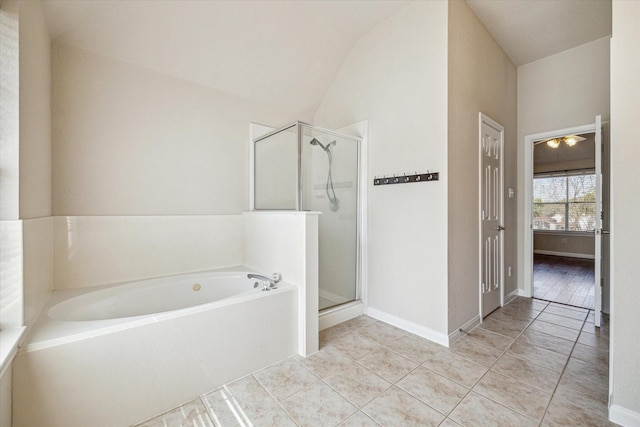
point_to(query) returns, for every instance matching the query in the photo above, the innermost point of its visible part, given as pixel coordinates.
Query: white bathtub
(116, 355)
(153, 296)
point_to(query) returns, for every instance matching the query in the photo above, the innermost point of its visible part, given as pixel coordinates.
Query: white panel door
(491, 214)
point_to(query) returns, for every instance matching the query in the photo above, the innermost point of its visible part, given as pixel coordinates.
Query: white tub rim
(48, 332)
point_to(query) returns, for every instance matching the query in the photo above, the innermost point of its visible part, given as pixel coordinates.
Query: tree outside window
(564, 203)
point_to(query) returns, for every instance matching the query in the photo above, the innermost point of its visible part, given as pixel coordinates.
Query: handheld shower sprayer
(324, 147)
(331, 194)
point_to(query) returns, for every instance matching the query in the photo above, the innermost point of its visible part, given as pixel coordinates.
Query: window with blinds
(564, 202)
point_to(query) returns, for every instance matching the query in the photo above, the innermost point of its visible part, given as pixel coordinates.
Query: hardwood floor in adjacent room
(564, 280)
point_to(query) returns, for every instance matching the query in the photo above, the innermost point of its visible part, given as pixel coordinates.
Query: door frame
(527, 179)
(484, 119)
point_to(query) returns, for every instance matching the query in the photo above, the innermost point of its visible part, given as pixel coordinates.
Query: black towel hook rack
(406, 178)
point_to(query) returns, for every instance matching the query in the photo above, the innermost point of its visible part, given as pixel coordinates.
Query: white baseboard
(340, 314)
(623, 416)
(409, 326)
(464, 329)
(564, 254)
(511, 296)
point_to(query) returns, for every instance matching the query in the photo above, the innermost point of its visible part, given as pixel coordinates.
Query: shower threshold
(340, 313)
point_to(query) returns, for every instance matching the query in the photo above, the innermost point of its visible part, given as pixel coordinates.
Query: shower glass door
(276, 170)
(303, 167)
(329, 184)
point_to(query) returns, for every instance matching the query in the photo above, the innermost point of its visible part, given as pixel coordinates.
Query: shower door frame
(361, 181)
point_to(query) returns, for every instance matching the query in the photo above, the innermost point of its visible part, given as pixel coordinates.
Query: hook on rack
(416, 177)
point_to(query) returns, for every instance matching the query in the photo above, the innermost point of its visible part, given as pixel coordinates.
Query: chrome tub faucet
(267, 283)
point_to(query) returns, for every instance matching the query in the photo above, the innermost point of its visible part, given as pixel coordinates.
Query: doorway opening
(564, 210)
(566, 195)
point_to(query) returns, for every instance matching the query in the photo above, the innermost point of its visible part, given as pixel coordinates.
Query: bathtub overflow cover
(196, 287)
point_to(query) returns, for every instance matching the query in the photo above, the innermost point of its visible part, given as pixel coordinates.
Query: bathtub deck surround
(81, 365)
(73, 369)
(287, 242)
(368, 373)
(76, 314)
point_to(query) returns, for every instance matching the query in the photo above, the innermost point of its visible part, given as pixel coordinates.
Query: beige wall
(564, 90)
(35, 112)
(563, 244)
(129, 141)
(396, 77)
(564, 166)
(625, 237)
(481, 79)
(5, 400)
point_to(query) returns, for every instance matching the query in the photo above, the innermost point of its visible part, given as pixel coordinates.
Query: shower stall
(307, 168)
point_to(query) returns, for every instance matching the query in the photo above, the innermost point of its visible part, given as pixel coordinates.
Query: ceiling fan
(570, 140)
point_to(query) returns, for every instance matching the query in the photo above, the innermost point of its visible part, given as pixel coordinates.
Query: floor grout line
(491, 367)
(563, 370)
(357, 330)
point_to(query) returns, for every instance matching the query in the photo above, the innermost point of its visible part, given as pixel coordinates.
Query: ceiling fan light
(571, 140)
(553, 143)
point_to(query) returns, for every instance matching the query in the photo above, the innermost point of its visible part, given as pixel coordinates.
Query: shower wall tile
(37, 266)
(11, 274)
(96, 250)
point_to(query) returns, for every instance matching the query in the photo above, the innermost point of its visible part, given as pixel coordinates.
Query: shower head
(324, 147)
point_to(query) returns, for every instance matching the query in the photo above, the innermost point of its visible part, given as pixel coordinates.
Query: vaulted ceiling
(528, 30)
(287, 53)
(282, 53)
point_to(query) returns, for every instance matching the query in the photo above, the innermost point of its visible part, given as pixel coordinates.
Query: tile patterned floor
(531, 363)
